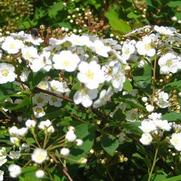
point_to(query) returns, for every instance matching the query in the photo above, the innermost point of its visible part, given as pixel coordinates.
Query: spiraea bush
(82, 107)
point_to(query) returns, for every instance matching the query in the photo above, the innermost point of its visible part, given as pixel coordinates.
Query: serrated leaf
(116, 23)
(54, 9)
(173, 116)
(127, 86)
(109, 144)
(176, 84)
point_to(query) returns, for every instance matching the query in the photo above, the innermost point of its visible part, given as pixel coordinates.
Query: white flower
(127, 50)
(14, 170)
(165, 30)
(155, 116)
(11, 45)
(65, 151)
(163, 124)
(77, 40)
(176, 141)
(145, 47)
(34, 41)
(50, 129)
(38, 111)
(22, 131)
(44, 85)
(45, 56)
(147, 126)
(149, 108)
(66, 60)
(1, 175)
(146, 139)
(144, 99)
(29, 53)
(54, 101)
(14, 140)
(108, 70)
(14, 154)
(30, 123)
(85, 97)
(58, 87)
(70, 136)
(37, 63)
(118, 77)
(169, 63)
(104, 97)
(39, 155)
(7, 73)
(13, 131)
(162, 100)
(99, 47)
(90, 74)
(46, 126)
(40, 99)
(39, 173)
(79, 142)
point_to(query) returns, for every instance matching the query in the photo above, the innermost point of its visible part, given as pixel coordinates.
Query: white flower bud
(149, 108)
(64, 151)
(14, 170)
(146, 139)
(39, 173)
(79, 142)
(70, 136)
(30, 123)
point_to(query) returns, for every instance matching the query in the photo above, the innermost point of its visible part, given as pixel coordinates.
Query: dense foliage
(90, 90)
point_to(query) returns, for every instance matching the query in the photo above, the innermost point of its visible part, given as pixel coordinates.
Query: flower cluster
(154, 127)
(42, 147)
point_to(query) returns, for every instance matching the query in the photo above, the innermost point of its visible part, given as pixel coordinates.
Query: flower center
(4, 72)
(148, 46)
(90, 74)
(66, 63)
(169, 63)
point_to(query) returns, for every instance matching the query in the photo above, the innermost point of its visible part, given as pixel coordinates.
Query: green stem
(153, 164)
(45, 140)
(36, 140)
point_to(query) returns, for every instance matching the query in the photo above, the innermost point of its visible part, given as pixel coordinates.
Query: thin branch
(65, 171)
(138, 30)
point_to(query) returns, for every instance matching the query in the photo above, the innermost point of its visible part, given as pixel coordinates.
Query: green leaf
(144, 80)
(30, 141)
(116, 23)
(35, 78)
(86, 132)
(127, 86)
(174, 4)
(149, 3)
(54, 9)
(39, 13)
(176, 84)
(175, 178)
(109, 144)
(28, 174)
(132, 127)
(173, 116)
